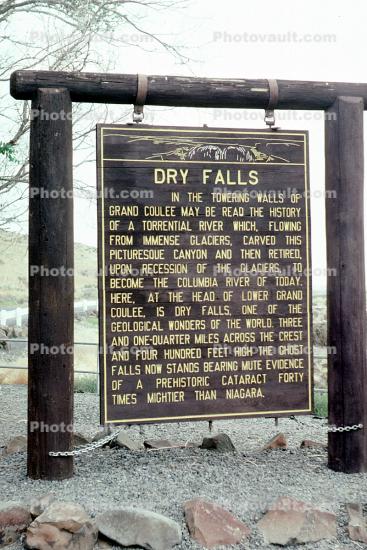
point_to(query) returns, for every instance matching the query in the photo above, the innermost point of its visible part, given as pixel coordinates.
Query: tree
(65, 35)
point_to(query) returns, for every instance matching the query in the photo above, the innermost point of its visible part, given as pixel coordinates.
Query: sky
(305, 40)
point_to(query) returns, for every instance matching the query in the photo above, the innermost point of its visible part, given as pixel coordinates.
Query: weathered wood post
(51, 286)
(346, 298)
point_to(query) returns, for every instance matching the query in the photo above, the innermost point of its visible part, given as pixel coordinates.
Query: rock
(279, 441)
(49, 537)
(137, 527)
(124, 441)
(39, 505)
(287, 504)
(161, 444)
(79, 439)
(100, 435)
(291, 521)
(103, 544)
(191, 445)
(220, 442)
(309, 444)
(64, 515)
(16, 445)
(62, 525)
(46, 537)
(210, 525)
(168, 444)
(14, 520)
(357, 526)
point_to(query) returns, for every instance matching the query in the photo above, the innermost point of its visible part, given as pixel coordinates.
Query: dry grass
(14, 271)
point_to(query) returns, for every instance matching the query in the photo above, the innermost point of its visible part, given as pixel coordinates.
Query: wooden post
(51, 287)
(346, 298)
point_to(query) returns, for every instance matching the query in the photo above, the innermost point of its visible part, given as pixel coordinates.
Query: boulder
(137, 527)
(357, 526)
(287, 504)
(101, 434)
(168, 444)
(14, 520)
(211, 525)
(64, 515)
(279, 441)
(125, 442)
(62, 525)
(49, 537)
(46, 537)
(191, 445)
(17, 444)
(162, 444)
(290, 521)
(220, 442)
(39, 504)
(104, 544)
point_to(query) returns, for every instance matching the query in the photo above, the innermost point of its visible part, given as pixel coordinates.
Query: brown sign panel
(205, 286)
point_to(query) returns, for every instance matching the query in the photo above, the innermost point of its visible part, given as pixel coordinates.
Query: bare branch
(78, 25)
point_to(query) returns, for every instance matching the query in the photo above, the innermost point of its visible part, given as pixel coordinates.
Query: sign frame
(188, 130)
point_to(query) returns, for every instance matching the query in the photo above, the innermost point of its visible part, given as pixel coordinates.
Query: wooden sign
(205, 286)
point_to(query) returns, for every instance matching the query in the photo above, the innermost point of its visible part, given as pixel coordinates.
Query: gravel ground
(245, 482)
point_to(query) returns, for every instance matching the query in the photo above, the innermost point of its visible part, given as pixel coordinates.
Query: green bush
(85, 383)
(321, 404)
(8, 150)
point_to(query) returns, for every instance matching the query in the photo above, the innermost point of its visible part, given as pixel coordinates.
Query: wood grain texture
(51, 298)
(179, 91)
(346, 291)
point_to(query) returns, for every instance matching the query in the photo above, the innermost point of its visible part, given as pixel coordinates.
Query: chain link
(87, 448)
(335, 429)
(97, 444)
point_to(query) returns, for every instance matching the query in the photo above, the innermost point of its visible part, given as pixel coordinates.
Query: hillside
(13, 293)
(14, 270)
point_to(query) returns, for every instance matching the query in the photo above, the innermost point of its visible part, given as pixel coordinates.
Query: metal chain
(97, 444)
(87, 448)
(335, 429)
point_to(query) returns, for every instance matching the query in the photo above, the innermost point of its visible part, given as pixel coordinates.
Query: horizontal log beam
(184, 91)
